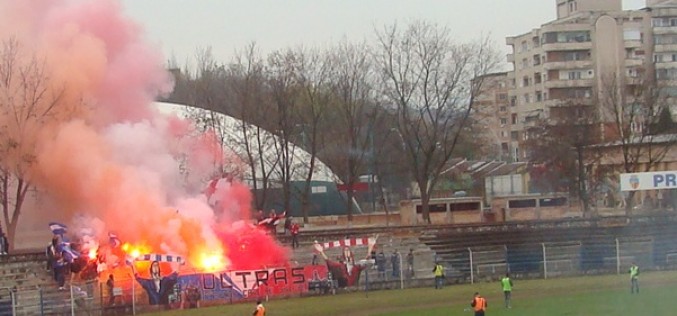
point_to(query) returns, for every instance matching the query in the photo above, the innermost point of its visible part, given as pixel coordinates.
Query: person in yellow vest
(438, 270)
(260, 310)
(479, 303)
(634, 282)
(506, 284)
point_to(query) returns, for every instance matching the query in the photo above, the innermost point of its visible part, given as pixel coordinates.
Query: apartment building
(493, 114)
(561, 67)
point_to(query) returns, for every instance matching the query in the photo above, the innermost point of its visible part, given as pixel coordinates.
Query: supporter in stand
(60, 266)
(4, 244)
(294, 228)
(51, 253)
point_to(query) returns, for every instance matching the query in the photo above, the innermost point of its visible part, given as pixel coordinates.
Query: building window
(657, 58)
(632, 35)
(504, 134)
(513, 101)
(525, 81)
(514, 135)
(504, 121)
(526, 98)
(539, 96)
(566, 37)
(525, 46)
(537, 78)
(514, 118)
(574, 75)
(502, 96)
(572, 6)
(502, 109)
(669, 74)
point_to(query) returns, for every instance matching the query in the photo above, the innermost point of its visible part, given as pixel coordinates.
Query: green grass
(593, 295)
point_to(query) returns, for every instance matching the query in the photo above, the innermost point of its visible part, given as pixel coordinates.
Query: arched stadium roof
(235, 141)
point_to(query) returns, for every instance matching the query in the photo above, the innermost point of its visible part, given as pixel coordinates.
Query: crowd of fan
(63, 260)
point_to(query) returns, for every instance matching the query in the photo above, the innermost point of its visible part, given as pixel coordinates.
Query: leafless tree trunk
(313, 69)
(250, 106)
(284, 88)
(355, 112)
(432, 82)
(629, 108)
(27, 102)
(559, 143)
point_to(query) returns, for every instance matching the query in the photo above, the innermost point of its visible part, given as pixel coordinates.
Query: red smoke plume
(104, 152)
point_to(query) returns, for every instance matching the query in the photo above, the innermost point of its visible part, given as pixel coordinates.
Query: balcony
(569, 102)
(634, 62)
(567, 46)
(666, 65)
(663, 48)
(634, 81)
(571, 64)
(664, 30)
(553, 84)
(633, 44)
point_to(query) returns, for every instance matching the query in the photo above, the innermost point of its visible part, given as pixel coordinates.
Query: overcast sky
(180, 27)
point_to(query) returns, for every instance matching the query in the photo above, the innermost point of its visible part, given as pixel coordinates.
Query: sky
(182, 27)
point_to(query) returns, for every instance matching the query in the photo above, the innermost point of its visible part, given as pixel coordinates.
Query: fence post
(545, 263)
(72, 301)
(12, 294)
(366, 284)
(618, 257)
(472, 273)
(401, 274)
(133, 297)
(42, 302)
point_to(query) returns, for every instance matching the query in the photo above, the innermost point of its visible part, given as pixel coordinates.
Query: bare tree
(630, 109)
(284, 91)
(558, 147)
(250, 104)
(432, 82)
(353, 115)
(313, 69)
(28, 102)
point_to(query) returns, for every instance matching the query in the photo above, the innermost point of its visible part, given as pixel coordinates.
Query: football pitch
(589, 295)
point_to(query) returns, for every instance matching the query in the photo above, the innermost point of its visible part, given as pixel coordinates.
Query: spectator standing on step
(380, 261)
(395, 263)
(294, 228)
(4, 243)
(110, 285)
(410, 263)
(60, 266)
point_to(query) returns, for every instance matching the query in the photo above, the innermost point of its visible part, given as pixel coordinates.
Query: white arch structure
(234, 140)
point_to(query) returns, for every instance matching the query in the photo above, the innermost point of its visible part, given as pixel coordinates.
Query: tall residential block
(561, 67)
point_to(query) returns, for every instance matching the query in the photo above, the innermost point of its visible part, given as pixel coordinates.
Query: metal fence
(547, 260)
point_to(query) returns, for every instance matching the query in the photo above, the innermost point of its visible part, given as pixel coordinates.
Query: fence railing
(547, 260)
